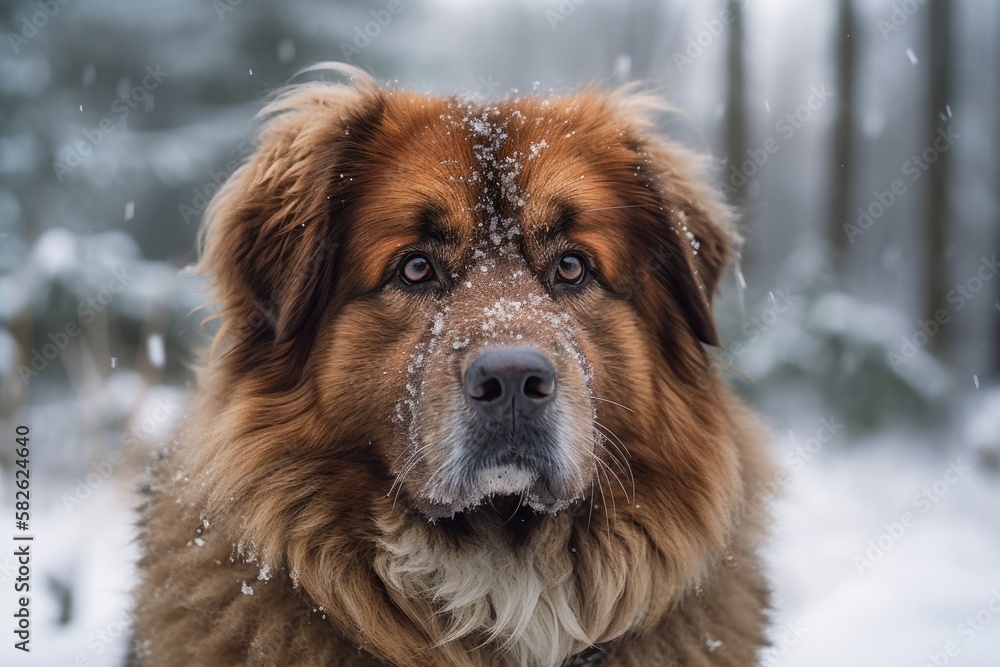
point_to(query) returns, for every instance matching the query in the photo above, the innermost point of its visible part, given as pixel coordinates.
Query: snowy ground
(838, 604)
(92, 551)
(908, 606)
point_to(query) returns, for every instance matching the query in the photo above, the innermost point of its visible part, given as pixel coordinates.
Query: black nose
(510, 383)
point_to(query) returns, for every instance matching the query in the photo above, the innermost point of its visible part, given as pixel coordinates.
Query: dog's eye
(572, 268)
(415, 269)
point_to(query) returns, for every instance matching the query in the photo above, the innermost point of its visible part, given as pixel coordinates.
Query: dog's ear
(688, 240)
(272, 234)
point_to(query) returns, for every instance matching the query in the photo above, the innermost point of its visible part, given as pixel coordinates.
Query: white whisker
(600, 487)
(618, 479)
(598, 398)
(619, 445)
(611, 490)
(590, 515)
(415, 458)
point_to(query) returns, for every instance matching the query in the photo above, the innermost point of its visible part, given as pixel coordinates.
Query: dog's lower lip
(537, 493)
(503, 505)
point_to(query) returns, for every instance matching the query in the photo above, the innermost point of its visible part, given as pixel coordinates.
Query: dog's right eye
(415, 269)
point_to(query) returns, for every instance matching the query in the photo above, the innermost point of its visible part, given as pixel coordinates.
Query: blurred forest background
(859, 139)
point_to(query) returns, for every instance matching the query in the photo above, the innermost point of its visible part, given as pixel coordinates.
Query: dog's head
(442, 309)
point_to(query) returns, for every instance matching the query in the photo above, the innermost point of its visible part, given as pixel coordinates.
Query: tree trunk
(839, 208)
(936, 237)
(995, 316)
(736, 121)
(642, 33)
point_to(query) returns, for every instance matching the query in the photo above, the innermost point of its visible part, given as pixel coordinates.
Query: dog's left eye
(571, 269)
(415, 269)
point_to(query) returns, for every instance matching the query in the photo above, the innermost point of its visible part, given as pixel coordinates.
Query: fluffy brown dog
(459, 411)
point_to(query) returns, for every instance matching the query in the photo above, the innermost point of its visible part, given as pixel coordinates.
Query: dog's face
(496, 278)
(444, 309)
(504, 278)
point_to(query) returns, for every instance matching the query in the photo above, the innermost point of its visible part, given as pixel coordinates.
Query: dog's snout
(508, 383)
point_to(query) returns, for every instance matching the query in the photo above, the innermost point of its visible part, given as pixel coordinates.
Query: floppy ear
(272, 234)
(690, 243)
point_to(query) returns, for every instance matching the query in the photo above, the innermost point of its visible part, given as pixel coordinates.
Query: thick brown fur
(285, 528)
